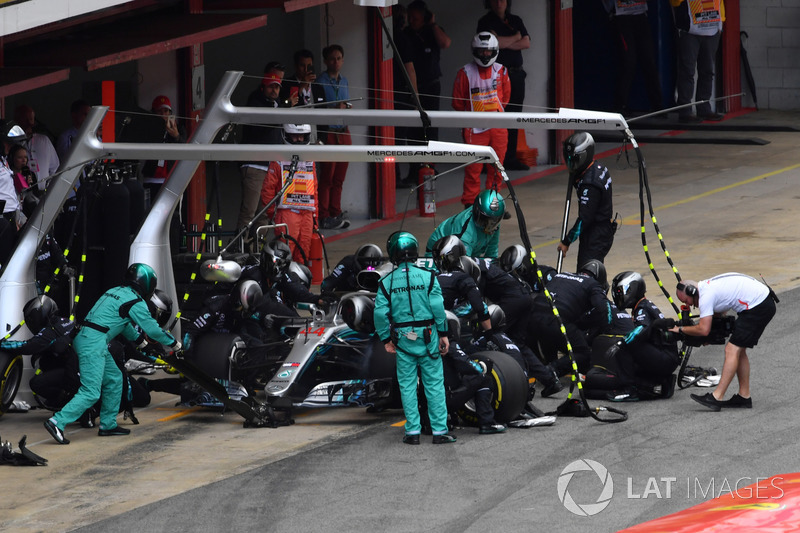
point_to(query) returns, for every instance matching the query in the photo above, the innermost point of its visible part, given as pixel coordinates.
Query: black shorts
(750, 324)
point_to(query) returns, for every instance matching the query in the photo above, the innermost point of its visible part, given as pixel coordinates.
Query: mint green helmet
(488, 210)
(402, 246)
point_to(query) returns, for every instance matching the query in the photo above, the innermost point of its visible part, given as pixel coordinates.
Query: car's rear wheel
(508, 384)
(10, 379)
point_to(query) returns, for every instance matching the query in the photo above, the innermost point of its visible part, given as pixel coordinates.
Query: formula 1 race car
(335, 360)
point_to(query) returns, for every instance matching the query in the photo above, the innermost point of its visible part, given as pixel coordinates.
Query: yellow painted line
(399, 424)
(721, 189)
(635, 218)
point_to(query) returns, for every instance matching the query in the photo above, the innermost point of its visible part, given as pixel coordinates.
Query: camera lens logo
(587, 509)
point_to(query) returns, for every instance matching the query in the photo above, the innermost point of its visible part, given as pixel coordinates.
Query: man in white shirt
(42, 157)
(754, 304)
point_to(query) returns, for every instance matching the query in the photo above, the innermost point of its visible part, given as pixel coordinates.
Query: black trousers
(595, 243)
(636, 47)
(546, 330)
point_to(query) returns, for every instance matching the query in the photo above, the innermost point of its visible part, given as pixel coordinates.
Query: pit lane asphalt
(719, 207)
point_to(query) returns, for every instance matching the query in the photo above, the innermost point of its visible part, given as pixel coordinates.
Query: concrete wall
(773, 49)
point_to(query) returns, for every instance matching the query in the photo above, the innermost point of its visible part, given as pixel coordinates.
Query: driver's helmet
(369, 255)
(358, 313)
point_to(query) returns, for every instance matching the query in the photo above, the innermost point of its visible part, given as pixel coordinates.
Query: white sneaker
(532, 422)
(135, 366)
(710, 381)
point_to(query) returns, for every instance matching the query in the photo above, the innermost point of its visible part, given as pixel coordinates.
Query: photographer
(302, 88)
(754, 303)
(156, 172)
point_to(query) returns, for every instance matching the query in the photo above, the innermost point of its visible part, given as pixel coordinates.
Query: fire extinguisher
(427, 192)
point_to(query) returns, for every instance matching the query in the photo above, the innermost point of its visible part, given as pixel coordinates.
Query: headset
(688, 290)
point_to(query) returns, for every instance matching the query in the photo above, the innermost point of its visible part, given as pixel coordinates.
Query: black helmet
(301, 273)
(497, 317)
(627, 288)
(453, 325)
(516, 259)
(402, 246)
(275, 259)
(358, 312)
(369, 255)
(597, 270)
(160, 305)
(578, 152)
(246, 295)
(488, 210)
(38, 312)
(142, 278)
(469, 266)
(447, 252)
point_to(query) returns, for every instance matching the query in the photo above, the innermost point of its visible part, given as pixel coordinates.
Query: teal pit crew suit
(409, 311)
(478, 226)
(113, 314)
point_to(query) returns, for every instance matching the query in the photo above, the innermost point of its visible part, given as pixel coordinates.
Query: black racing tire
(509, 388)
(10, 379)
(211, 353)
